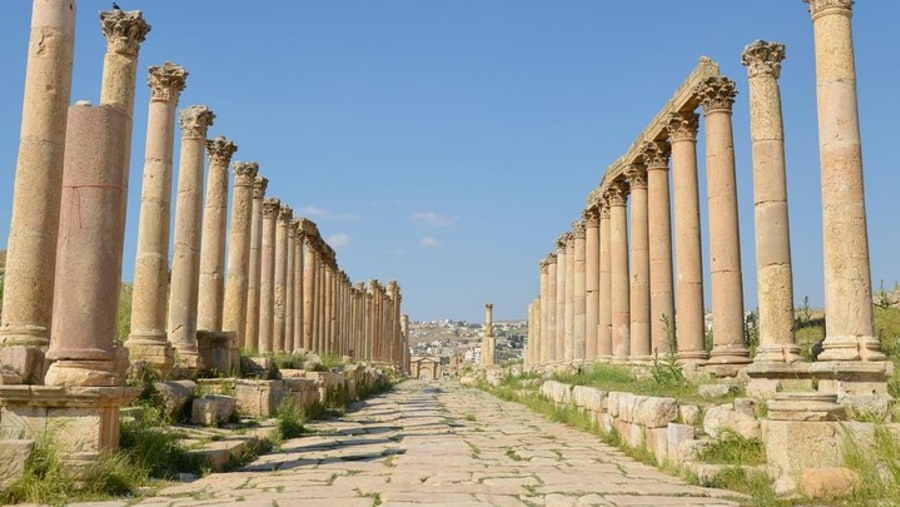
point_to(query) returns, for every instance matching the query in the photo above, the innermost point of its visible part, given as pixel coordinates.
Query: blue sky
(446, 143)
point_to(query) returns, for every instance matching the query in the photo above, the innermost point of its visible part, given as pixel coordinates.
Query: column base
(692, 358)
(22, 349)
(151, 349)
(777, 353)
(82, 373)
(851, 348)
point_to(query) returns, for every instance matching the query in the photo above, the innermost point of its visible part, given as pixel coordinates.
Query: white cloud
(338, 240)
(312, 211)
(429, 242)
(431, 218)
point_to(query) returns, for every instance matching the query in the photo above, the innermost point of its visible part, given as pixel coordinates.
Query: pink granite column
(617, 196)
(562, 266)
(182, 327)
(689, 319)
(212, 245)
(279, 282)
(548, 344)
(774, 276)
(849, 328)
(235, 305)
(31, 248)
(640, 263)
(659, 232)
(254, 270)
(148, 340)
(267, 254)
(591, 282)
(89, 251)
(717, 96)
(604, 316)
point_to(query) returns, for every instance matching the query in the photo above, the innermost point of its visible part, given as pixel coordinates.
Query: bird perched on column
(116, 7)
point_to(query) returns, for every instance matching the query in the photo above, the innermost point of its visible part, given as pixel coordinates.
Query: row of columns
(601, 297)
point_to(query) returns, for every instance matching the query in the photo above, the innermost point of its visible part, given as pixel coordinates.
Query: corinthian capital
(591, 216)
(195, 121)
(818, 7)
(271, 207)
(579, 228)
(285, 215)
(560, 242)
(683, 125)
(637, 175)
(245, 173)
(656, 154)
(259, 184)
(166, 82)
(716, 92)
(124, 30)
(551, 258)
(617, 193)
(220, 151)
(763, 57)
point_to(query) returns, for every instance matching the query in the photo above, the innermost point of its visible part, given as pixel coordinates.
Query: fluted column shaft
(617, 196)
(604, 316)
(640, 263)
(271, 209)
(235, 310)
(659, 232)
(591, 283)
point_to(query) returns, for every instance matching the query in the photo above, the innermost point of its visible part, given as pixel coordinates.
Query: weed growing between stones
(755, 484)
(291, 419)
(734, 449)
(878, 466)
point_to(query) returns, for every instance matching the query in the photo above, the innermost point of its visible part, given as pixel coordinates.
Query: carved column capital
(570, 239)
(819, 7)
(271, 207)
(716, 92)
(579, 227)
(543, 264)
(220, 150)
(591, 217)
(656, 154)
(245, 173)
(551, 258)
(763, 57)
(682, 126)
(637, 176)
(560, 242)
(124, 30)
(285, 215)
(617, 193)
(195, 121)
(166, 82)
(259, 184)
(603, 207)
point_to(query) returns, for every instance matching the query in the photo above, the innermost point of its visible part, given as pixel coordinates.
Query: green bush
(291, 419)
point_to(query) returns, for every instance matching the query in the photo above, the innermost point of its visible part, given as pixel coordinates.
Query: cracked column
(33, 229)
(717, 96)
(773, 238)
(578, 325)
(659, 232)
(591, 282)
(640, 263)
(849, 327)
(182, 327)
(251, 324)
(548, 344)
(148, 340)
(234, 317)
(604, 316)
(620, 323)
(271, 210)
(561, 269)
(279, 283)
(212, 247)
(689, 323)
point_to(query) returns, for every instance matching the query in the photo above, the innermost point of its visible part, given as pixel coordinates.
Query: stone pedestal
(219, 351)
(251, 328)
(234, 318)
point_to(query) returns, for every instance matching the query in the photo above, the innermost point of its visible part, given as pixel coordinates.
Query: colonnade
(624, 305)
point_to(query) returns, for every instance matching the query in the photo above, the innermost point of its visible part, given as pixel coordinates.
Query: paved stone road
(439, 443)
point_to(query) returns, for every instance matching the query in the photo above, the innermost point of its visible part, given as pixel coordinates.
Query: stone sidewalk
(440, 444)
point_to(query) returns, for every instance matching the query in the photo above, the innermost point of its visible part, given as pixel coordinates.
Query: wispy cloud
(338, 240)
(312, 211)
(316, 212)
(431, 218)
(429, 242)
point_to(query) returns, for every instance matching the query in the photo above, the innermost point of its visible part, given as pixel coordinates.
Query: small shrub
(291, 419)
(734, 449)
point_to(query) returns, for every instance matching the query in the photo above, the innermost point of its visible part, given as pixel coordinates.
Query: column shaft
(617, 196)
(659, 232)
(235, 306)
(578, 289)
(548, 344)
(271, 208)
(254, 271)
(640, 264)
(562, 266)
(591, 283)
(604, 316)
(279, 280)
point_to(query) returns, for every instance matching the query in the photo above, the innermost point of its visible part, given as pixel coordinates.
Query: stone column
(640, 263)
(31, 248)
(659, 232)
(289, 288)
(620, 320)
(578, 289)
(195, 121)
(328, 326)
(849, 327)
(271, 210)
(774, 275)
(299, 288)
(235, 312)
(148, 340)
(310, 288)
(591, 282)
(487, 347)
(529, 339)
(320, 306)
(212, 246)
(570, 297)
(539, 342)
(279, 282)
(89, 252)
(370, 321)
(548, 343)
(254, 270)
(562, 266)
(604, 316)
(717, 96)
(689, 323)
(396, 298)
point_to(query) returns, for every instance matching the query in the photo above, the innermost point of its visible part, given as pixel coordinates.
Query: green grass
(734, 449)
(879, 466)
(755, 484)
(291, 419)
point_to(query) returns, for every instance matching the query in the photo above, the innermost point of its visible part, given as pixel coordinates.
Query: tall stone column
(320, 305)
(212, 245)
(267, 253)
(328, 342)
(659, 232)
(570, 297)
(370, 322)
(279, 282)
(299, 288)
(640, 263)
(289, 289)
(849, 327)
(396, 297)
(617, 196)
(539, 343)
(254, 270)
(310, 280)
(148, 340)
(195, 121)
(604, 316)
(689, 323)
(83, 343)
(774, 275)
(548, 344)
(31, 248)
(578, 289)
(562, 267)
(235, 309)
(487, 346)
(717, 96)
(591, 282)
